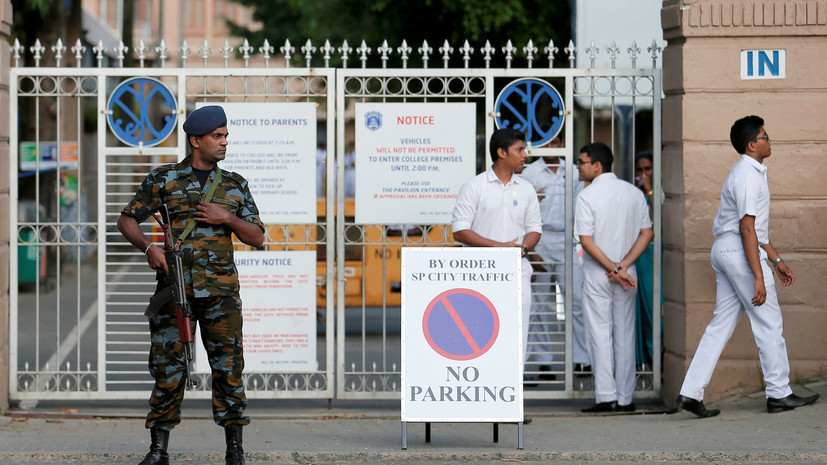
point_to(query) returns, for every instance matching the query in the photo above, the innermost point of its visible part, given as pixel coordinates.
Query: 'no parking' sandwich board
(461, 336)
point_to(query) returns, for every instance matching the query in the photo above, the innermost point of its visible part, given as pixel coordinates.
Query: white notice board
(273, 145)
(278, 295)
(411, 160)
(461, 335)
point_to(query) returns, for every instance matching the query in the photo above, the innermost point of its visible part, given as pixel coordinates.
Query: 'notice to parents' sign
(461, 334)
(273, 145)
(278, 291)
(411, 160)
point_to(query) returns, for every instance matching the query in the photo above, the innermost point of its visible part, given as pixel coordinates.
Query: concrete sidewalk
(309, 432)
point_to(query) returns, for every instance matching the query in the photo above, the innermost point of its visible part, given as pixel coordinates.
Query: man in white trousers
(496, 208)
(547, 174)
(744, 280)
(612, 220)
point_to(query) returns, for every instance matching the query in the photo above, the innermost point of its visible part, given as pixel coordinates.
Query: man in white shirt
(613, 223)
(498, 209)
(547, 174)
(744, 280)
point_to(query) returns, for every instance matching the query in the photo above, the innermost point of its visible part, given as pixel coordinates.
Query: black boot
(158, 449)
(235, 454)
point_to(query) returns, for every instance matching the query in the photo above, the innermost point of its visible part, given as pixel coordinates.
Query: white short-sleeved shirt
(553, 204)
(745, 192)
(613, 212)
(497, 211)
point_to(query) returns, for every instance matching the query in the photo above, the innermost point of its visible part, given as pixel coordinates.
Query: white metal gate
(78, 288)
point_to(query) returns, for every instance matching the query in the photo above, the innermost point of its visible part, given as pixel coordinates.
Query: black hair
(503, 139)
(598, 151)
(744, 131)
(644, 156)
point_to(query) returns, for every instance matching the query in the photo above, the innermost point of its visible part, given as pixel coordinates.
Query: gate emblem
(533, 107)
(373, 120)
(141, 111)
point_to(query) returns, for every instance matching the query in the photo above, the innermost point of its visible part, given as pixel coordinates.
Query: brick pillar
(5, 31)
(705, 94)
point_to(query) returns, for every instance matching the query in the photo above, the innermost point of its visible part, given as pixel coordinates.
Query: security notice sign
(273, 145)
(461, 327)
(278, 291)
(411, 160)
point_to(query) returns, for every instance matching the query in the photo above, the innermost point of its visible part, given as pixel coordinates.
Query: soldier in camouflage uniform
(210, 276)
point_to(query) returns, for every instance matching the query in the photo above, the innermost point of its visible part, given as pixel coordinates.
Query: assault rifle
(176, 292)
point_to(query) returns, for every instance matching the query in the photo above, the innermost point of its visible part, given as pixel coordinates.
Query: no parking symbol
(460, 324)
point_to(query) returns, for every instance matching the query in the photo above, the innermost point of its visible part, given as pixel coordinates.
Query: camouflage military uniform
(212, 288)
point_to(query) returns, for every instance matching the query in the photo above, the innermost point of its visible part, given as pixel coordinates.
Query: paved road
(291, 432)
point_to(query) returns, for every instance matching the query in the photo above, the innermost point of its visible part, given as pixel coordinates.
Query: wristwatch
(775, 262)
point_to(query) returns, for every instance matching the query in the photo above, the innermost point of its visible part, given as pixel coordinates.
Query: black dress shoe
(601, 407)
(696, 406)
(788, 403)
(626, 408)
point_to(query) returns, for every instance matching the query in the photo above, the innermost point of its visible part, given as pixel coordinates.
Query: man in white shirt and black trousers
(498, 208)
(744, 280)
(612, 220)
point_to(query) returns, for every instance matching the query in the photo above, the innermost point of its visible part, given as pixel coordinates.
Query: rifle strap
(210, 193)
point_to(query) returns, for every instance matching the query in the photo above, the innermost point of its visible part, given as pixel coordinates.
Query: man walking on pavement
(612, 220)
(206, 208)
(744, 280)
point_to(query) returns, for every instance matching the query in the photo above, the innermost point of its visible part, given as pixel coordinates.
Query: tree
(412, 20)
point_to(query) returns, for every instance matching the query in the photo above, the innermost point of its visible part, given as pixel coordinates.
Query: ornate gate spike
(308, 50)
(571, 51)
(205, 50)
(446, 51)
(58, 48)
(163, 52)
(16, 49)
(364, 51)
(99, 51)
(466, 50)
(327, 50)
(634, 51)
(79, 50)
(487, 52)
(509, 50)
(266, 49)
(385, 51)
(184, 50)
(592, 51)
(37, 49)
(142, 48)
(654, 50)
(614, 51)
(225, 51)
(530, 50)
(287, 50)
(425, 50)
(345, 50)
(246, 50)
(550, 50)
(404, 50)
(121, 50)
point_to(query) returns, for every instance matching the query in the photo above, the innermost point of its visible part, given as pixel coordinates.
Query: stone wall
(704, 96)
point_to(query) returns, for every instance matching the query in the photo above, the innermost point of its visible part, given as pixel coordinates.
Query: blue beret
(205, 120)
